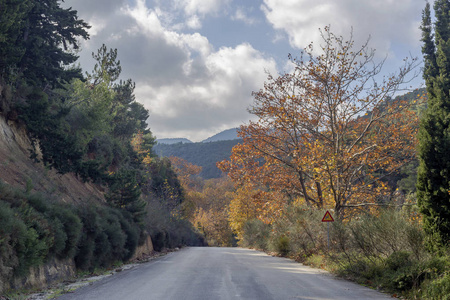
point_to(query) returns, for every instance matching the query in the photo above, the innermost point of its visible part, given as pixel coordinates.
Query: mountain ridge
(205, 155)
(170, 141)
(225, 135)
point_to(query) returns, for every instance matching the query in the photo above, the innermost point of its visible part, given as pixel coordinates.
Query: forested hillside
(57, 120)
(173, 141)
(226, 135)
(205, 155)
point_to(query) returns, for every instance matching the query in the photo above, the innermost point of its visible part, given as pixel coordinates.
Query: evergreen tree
(35, 41)
(48, 132)
(12, 20)
(125, 193)
(131, 116)
(107, 67)
(433, 185)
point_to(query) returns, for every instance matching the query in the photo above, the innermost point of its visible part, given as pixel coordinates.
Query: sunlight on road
(247, 252)
(297, 270)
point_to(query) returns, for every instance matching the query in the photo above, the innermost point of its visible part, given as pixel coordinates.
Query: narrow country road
(222, 273)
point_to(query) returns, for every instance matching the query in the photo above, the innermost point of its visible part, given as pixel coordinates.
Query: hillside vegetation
(226, 135)
(173, 141)
(205, 155)
(78, 178)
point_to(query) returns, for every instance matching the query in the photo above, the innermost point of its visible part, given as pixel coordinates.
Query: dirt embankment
(18, 170)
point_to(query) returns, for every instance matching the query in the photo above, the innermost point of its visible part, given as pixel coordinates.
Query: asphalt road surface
(222, 273)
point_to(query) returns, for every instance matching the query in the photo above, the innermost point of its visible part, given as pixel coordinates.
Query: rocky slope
(16, 169)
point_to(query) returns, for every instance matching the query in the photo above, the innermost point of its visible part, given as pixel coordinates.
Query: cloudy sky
(196, 62)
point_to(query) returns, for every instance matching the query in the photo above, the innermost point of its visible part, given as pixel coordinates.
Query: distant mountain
(201, 154)
(173, 141)
(205, 153)
(227, 135)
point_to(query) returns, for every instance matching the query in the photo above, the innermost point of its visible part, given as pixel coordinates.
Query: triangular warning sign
(327, 217)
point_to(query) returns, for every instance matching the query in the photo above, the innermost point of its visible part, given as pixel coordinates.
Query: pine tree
(36, 39)
(433, 185)
(49, 33)
(12, 16)
(125, 193)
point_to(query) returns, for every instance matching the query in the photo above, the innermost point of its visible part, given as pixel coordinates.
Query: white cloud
(191, 89)
(192, 12)
(145, 18)
(201, 7)
(216, 100)
(384, 20)
(194, 22)
(242, 15)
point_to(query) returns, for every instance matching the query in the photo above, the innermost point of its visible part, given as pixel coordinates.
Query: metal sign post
(328, 236)
(328, 218)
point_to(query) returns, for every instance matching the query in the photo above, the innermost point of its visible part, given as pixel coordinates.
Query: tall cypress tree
(433, 185)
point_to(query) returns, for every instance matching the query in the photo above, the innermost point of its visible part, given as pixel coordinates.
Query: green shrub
(281, 245)
(29, 250)
(72, 228)
(45, 208)
(437, 265)
(382, 235)
(116, 236)
(438, 289)
(95, 248)
(399, 260)
(159, 240)
(402, 272)
(415, 237)
(131, 231)
(7, 194)
(302, 227)
(177, 233)
(316, 261)
(167, 230)
(59, 237)
(64, 225)
(33, 247)
(36, 229)
(109, 235)
(102, 251)
(362, 270)
(11, 230)
(84, 258)
(256, 234)
(38, 202)
(85, 253)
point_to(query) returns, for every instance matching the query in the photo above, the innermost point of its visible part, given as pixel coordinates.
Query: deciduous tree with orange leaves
(330, 131)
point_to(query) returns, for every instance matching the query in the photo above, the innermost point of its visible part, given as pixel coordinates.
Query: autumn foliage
(328, 133)
(206, 203)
